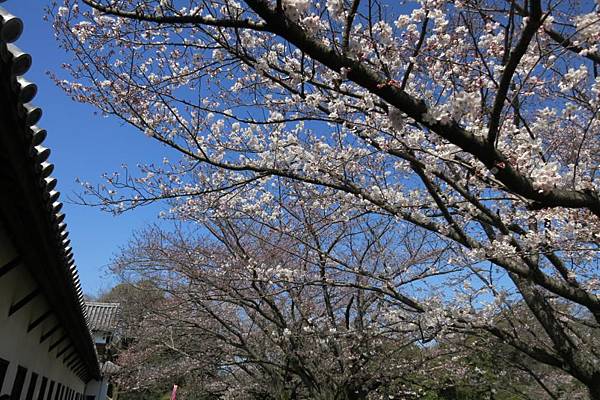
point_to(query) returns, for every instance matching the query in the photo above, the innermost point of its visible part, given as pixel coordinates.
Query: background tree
(285, 320)
(474, 120)
(134, 303)
(261, 323)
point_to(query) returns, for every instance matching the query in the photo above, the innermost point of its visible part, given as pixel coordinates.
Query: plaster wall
(22, 348)
(98, 389)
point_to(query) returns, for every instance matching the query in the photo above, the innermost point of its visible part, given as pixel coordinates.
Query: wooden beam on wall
(79, 368)
(74, 362)
(69, 356)
(9, 266)
(38, 320)
(63, 351)
(23, 302)
(49, 333)
(59, 341)
(80, 371)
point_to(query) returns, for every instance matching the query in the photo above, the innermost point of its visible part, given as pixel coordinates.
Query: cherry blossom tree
(475, 120)
(282, 319)
(367, 352)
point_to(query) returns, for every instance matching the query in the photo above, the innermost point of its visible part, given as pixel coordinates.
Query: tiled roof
(25, 160)
(102, 316)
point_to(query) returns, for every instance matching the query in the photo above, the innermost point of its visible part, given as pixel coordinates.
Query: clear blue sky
(83, 146)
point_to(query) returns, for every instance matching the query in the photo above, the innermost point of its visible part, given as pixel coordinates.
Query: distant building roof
(102, 316)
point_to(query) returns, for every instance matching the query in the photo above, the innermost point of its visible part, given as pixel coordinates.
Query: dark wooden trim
(68, 357)
(79, 370)
(49, 333)
(50, 390)
(73, 362)
(63, 351)
(77, 367)
(23, 302)
(38, 320)
(18, 383)
(43, 386)
(9, 266)
(31, 386)
(59, 341)
(3, 368)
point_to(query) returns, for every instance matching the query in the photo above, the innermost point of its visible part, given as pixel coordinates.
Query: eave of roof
(29, 204)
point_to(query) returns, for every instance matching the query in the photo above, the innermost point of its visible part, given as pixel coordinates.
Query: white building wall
(98, 389)
(22, 348)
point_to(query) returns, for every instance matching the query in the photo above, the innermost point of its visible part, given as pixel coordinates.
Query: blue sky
(83, 146)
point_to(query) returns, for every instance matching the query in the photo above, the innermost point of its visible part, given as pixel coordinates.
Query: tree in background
(240, 320)
(285, 320)
(475, 120)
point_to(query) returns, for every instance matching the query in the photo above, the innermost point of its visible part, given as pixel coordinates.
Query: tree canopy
(471, 125)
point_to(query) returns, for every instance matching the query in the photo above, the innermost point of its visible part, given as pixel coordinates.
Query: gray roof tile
(102, 316)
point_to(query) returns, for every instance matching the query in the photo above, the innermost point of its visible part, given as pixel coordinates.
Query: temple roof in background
(102, 316)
